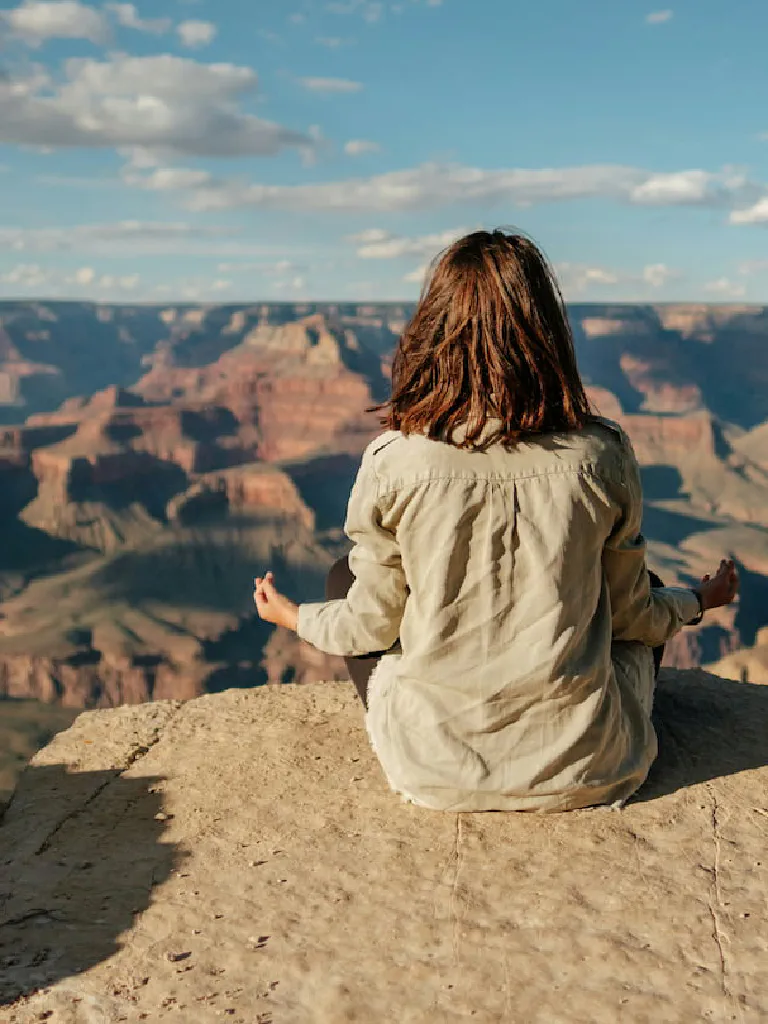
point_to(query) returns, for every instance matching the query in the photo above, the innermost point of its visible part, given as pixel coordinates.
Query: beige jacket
(516, 582)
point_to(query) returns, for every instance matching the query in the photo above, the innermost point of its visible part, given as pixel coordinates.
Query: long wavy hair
(490, 339)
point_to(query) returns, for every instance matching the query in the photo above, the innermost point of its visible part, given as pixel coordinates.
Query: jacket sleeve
(640, 612)
(368, 619)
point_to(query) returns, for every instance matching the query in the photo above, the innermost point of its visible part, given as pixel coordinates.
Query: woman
(497, 559)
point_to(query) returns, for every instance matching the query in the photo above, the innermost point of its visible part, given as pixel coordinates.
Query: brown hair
(489, 338)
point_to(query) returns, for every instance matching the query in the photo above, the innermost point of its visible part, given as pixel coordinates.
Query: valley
(154, 459)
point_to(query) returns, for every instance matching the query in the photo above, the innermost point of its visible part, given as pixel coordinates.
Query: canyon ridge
(153, 459)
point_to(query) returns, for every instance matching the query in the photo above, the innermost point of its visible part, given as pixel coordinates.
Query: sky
(232, 150)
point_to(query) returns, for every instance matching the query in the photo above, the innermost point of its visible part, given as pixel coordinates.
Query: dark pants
(340, 579)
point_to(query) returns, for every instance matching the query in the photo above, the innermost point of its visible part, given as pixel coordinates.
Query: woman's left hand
(273, 606)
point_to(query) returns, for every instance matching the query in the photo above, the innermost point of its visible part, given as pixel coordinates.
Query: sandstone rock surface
(240, 856)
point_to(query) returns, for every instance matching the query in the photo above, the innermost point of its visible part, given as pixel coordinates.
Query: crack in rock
(458, 854)
(140, 751)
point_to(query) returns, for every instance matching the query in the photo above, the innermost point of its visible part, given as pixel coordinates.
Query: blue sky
(227, 150)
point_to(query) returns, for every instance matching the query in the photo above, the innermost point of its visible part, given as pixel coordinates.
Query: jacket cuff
(687, 604)
(306, 619)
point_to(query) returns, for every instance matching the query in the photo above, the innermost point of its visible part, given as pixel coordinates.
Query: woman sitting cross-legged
(496, 611)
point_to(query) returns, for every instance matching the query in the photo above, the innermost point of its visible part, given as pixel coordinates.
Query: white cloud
(432, 186)
(294, 284)
(25, 275)
(30, 278)
(679, 188)
(757, 214)
(370, 236)
(359, 147)
(168, 179)
(330, 85)
(724, 288)
(113, 283)
(265, 267)
(166, 104)
(376, 244)
(750, 267)
(659, 274)
(659, 17)
(369, 10)
(128, 17)
(36, 21)
(417, 276)
(196, 33)
(85, 276)
(577, 277)
(332, 42)
(117, 239)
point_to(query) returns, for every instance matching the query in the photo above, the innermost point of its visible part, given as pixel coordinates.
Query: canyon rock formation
(154, 459)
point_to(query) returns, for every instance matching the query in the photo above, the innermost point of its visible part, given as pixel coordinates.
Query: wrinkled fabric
(515, 579)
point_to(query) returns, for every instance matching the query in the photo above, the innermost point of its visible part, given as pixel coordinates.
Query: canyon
(154, 459)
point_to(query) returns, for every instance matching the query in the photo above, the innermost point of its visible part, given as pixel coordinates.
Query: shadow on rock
(80, 853)
(708, 728)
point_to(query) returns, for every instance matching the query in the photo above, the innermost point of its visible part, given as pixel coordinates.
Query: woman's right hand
(720, 589)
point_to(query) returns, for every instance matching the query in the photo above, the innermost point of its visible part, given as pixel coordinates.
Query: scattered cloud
(370, 236)
(359, 147)
(330, 85)
(26, 278)
(756, 214)
(263, 267)
(168, 179)
(368, 10)
(292, 284)
(129, 237)
(114, 283)
(85, 276)
(431, 186)
(128, 17)
(659, 274)
(750, 267)
(194, 34)
(25, 275)
(576, 278)
(659, 17)
(377, 244)
(418, 275)
(166, 104)
(682, 188)
(724, 288)
(332, 42)
(37, 21)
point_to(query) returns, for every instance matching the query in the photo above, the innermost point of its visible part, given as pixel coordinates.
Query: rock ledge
(240, 856)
